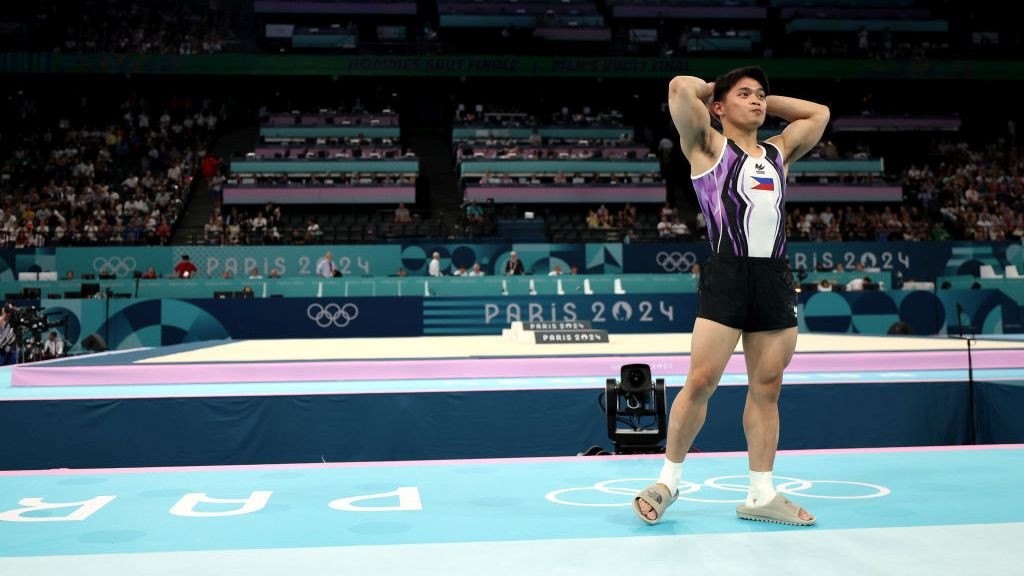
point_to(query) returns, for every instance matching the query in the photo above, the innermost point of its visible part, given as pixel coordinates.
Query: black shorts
(747, 293)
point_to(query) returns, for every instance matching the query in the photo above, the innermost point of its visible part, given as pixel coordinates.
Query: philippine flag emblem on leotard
(764, 184)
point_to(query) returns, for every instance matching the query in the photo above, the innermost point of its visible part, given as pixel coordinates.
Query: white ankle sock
(671, 472)
(762, 490)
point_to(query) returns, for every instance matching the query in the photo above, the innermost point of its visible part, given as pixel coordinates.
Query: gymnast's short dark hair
(726, 81)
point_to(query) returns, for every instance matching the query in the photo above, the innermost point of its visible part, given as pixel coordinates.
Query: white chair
(48, 276)
(987, 271)
(586, 287)
(618, 289)
(1011, 271)
(560, 289)
(28, 276)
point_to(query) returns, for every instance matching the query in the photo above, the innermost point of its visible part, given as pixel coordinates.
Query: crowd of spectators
(130, 26)
(278, 179)
(205, 26)
(865, 44)
(262, 226)
(273, 224)
(574, 179)
(494, 149)
(498, 116)
(958, 192)
(70, 175)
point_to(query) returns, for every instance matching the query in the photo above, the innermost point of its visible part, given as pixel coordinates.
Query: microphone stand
(106, 305)
(972, 435)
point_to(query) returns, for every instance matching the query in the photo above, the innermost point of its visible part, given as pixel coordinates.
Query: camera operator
(53, 347)
(21, 331)
(8, 336)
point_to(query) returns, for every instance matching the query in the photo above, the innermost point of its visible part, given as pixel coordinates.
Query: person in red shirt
(163, 232)
(210, 166)
(185, 268)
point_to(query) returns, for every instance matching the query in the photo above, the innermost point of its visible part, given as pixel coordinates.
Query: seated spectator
(824, 285)
(858, 284)
(556, 271)
(679, 229)
(313, 232)
(535, 138)
(53, 347)
(475, 271)
(434, 267)
(474, 213)
(185, 268)
(163, 232)
(627, 217)
(664, 228)
(149, 274)
(254, 274)
(213, 228)
(513, 266)
(402, 214)
(259, 223)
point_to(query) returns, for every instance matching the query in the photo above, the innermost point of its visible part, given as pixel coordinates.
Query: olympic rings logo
(339, 316)
(114, 265)
(622, 490)
(675, 261)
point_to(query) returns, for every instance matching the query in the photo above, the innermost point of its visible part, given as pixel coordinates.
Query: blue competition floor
(900, 511)
(7, 392)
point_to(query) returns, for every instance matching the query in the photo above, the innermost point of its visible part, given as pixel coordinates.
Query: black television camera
(28, 324)
(638, 402)
(25, 318)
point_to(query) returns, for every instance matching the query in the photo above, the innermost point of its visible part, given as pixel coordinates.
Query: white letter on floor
(254, 503)
(85, 509)
(408, 499)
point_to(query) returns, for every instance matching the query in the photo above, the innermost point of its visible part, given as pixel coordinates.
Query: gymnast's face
(744, 105)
